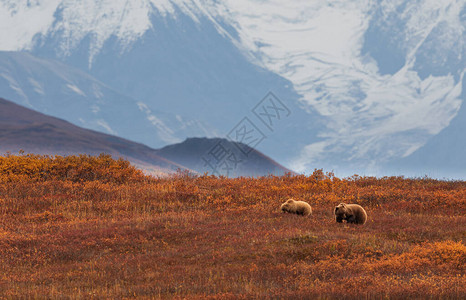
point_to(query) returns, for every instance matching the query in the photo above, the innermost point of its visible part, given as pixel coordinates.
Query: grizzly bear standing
(352, 213)
(296, 207)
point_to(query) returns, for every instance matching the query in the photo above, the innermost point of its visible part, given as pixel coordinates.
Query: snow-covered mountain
(181, 63)
(366, 82)
(387, 74)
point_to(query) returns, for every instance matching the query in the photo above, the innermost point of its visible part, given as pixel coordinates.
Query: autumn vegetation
(93, 227)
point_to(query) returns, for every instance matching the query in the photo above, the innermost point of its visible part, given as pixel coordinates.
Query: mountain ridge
(222, 157)
(24, 129)
(33, 132)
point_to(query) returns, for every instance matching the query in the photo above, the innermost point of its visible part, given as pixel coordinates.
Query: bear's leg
(339, 219)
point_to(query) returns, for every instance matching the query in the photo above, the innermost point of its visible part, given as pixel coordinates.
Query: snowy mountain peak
(71, 21)
(125, 20)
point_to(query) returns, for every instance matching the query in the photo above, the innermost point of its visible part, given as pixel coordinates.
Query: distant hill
(221, 157)
(34, 132)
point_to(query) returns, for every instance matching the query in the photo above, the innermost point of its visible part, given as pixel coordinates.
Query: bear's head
(342, 212)
(287, 206)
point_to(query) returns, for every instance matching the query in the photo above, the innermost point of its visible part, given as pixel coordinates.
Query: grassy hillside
(92, 227)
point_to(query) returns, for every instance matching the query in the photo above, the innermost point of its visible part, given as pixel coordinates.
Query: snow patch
(97, 91)
(104, 125)
(165, 133)
(13, 84)
(95, 109)
(36, 86)
(75, 89)
(21, 20)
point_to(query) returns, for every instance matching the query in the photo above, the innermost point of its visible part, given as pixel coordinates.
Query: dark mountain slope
(22, 128)
(221, 157)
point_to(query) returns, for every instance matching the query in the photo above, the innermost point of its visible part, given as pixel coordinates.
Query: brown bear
(352, 213)
(296, 207)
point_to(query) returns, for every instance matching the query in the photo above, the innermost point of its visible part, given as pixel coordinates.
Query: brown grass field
(93, 227)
